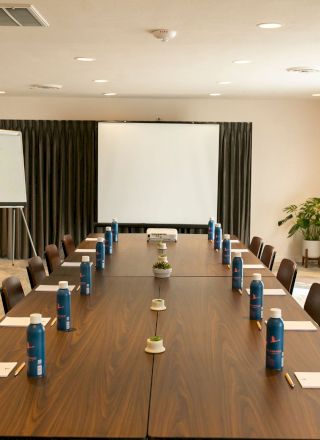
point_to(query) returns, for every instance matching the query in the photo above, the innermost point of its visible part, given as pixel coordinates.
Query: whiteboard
(12, 175)
(158, 173)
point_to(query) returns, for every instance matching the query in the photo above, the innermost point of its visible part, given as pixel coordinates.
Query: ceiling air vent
(46, 86)
(304, 69)
(20, 15)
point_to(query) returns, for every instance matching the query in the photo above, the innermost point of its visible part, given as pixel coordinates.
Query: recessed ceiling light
(242, 61)
(85, 59)
(269, 25)
(223, 83)
(109, 94)
(100, 80)
(2, 92)
(315, 94)
(214, 94)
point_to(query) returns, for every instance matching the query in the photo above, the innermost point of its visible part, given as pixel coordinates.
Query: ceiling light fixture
(242, 61)
(84, 59)
(269, 25)
(304, 69)
(100, 81)
(164, 35)
(109, 94)
(46, 86)
(315, 94)
(214, 94)
(224, 83)
(2, 92)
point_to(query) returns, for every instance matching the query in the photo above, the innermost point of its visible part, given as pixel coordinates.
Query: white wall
(286, 134)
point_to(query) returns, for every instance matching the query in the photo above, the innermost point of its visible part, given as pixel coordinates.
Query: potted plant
(306, 218)
(162, 269)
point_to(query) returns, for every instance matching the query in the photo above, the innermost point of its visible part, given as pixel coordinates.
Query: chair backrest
(36, 271)
(68, 245)
(11, 293)
(312, 304)
(256, 246)
(52, 257)
(287, 273)
(268, 255)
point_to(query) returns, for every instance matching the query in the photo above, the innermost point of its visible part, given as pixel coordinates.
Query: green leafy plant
(161, 265)
(305, 217)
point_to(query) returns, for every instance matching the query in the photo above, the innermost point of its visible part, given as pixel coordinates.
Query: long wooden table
(210, 383)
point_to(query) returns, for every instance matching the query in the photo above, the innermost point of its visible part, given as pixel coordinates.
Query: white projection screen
(157, 173)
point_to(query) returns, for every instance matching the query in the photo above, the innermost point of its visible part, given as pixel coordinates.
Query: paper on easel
(308, 379)
(10, 321)
(51, 288)
(6, 368)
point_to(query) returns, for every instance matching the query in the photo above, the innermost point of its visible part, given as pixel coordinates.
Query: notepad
(234, 241)
(308, 379)
(91, 239)
(86, 250)
(6, 368)
(271, 292)
(299, 325)
(254, 266)
(239, 250)
(51, 288)
(10, 321)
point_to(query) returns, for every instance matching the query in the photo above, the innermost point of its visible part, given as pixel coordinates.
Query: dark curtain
(234, 181)
(60, 164)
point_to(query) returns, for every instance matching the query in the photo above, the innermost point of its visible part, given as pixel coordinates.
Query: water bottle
(108, 240)
(237, 271)
(217, 236)
(85, 276)
(100, 254)
(63, 307)
(115, 230)
(226, 250)
(256, 297)
(36, 349)
(211, 229)
(275, 336)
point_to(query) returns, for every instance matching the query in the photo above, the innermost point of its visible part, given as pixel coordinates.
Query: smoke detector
(164, 35)
(20, 15)
(46, 86)
(304, 69)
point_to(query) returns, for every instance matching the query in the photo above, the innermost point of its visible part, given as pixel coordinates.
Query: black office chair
(52, 257)
(11, 293)
(36, 271)
(268, 255)
(68, 245)
(256, 246)
(312, 304)
(287, 274)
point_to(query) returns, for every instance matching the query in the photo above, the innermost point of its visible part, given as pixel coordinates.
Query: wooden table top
(192, 255)
(98, 376)
(211, 382)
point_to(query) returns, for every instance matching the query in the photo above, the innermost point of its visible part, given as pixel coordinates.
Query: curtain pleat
(234, 181)
(60, 166)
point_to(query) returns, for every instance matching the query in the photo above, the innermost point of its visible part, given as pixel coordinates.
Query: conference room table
(211, 381)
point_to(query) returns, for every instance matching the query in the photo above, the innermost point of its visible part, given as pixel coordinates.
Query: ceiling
(210, 35)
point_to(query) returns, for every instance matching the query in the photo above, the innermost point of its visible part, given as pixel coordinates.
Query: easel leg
(13, 233)
(28, 231)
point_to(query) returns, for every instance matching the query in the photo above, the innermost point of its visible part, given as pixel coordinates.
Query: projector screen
(12, 176)
(159, 173)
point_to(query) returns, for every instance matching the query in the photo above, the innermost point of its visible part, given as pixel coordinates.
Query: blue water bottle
(256, 297)
(226, 250)
(63, 307)
(237, 271)
(211, 229)
(217, 236)
(275, 337)
(36, 348)
(100, 254)
(85, 276)
(108, 240)
(115, 230)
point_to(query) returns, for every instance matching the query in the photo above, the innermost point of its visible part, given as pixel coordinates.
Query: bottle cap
(226, 236)
(36, 318)
(85, 259)
(63, 285)
(256, 276)
(100, 240)
(211, 218)
(275, 313)
(115, 220)
(108, 228)
(218, 225)
(237, 254)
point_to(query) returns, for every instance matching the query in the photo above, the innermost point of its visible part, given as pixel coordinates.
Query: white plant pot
(162, 273)
(313, 248)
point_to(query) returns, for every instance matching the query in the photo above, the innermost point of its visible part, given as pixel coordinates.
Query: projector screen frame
(145, 226)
